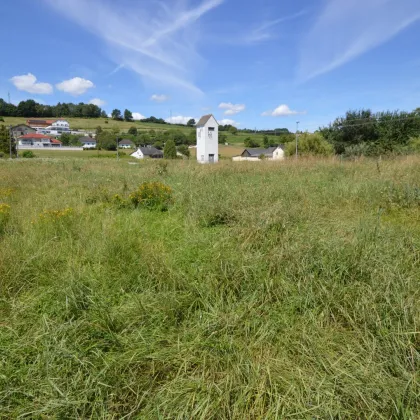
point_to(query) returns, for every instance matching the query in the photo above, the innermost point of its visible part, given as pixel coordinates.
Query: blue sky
(264, 64)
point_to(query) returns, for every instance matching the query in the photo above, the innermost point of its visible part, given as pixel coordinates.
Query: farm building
(147, 152)
(271, 153)
(207, 139)
(88, 142)
(126, 144)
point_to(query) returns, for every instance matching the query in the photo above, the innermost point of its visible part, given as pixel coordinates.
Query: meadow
(282, 290)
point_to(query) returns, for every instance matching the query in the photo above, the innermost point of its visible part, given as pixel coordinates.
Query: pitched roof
(125, 141)
(204, 119)
(34, 136)
(86, 140)
(34, 121)
(55, 141)
(151, 151)
(22, 125)
(256, 152)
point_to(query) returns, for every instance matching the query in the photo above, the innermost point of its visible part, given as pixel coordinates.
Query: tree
(310, 145)
(222, 138)
(132, 131)
(266, 142)
(98, 130)
(184, 150)
(116, 114)
(248, 142)
(158, 144)
(192, 138)
(169, 151)
(104, 114)
(233, 130)
(128, 116)
(107, 140)
(191, 122)
(145, 139)
(5, 141)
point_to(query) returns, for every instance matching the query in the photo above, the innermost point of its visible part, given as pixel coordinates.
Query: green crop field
(284, 290)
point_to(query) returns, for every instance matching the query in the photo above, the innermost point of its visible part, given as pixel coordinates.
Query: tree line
(32, 109)
(363, 132)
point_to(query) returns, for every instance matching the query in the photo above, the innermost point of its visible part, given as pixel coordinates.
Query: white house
(87, 142)
(147, 152)
(34, 139)
(57, 127)
(126, 144)
(272, 153)
(207, 139)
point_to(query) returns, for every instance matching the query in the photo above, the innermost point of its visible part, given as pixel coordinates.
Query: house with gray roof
(126, 144)
(147, 153)
(256, 154)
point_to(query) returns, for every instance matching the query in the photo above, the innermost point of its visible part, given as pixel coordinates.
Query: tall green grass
(270, 290)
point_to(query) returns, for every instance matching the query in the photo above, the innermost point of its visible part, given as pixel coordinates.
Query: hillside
(271, 290)
(92, 123)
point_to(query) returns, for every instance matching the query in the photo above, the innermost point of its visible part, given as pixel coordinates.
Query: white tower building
(207, 139)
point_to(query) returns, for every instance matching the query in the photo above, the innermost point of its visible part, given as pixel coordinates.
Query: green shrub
(153, 196)
(28, 154)
(1, 119)
(310, 145)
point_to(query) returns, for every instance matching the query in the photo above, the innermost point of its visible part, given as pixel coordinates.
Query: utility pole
(8, 94)
(297, 129)
(118, 150)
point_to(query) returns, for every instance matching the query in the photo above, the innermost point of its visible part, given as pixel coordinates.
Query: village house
(207, 139)
(147, 152)
(126, 144)
(256, 154)
(38, 140)
(21, 130)
(88, 142)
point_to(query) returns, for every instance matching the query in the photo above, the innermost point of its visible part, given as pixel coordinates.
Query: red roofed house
(39, 123)
(34, 139)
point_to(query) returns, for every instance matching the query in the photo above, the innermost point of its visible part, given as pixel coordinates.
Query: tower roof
(204, 119)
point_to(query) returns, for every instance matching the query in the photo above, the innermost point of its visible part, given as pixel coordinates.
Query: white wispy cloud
(346, 29)
(138, 116)
(76, 86)
(227, 121)
(232, 109)
(156, 40)
(179, 119)
(97, 101)
(159, 98)
(282, 111)
(28, 83)
(262, 32)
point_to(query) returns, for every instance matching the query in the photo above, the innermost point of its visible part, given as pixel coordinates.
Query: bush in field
(1, 119)
(310, 145)
(28, 154)
(152, 195)
(169, 151)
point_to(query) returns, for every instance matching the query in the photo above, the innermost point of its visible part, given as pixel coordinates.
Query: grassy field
(272, 290)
